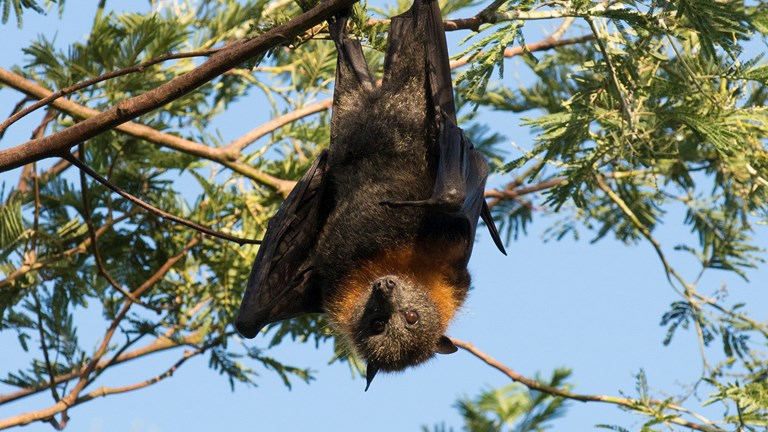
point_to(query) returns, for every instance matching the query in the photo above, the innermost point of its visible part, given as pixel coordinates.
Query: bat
(378, 232)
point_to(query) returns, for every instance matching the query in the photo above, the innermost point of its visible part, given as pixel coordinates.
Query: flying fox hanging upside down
(378, 232)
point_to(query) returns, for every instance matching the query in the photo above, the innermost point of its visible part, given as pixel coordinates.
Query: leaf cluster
(661, 117)
(513, 408)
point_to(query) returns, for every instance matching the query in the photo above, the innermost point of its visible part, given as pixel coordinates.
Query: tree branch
(511, 192)
(229, 57)
(161, 343)
(514, 189)
(28, 171)
(149, 134)
(491, 16)
(236, 146)
(228, 154)
(73, 397)
(632, 404)
(103, 77)
(106, 391)
(239, 144)
(70, 399)
(546, 44)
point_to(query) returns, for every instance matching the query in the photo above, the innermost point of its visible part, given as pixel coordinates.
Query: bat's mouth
(377, 324)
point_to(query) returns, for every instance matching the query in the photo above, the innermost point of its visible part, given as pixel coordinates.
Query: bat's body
(379, 231)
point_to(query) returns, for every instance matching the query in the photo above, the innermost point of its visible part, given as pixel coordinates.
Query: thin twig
(192, 338)
(14, 111)
(44, 346)
(759, 327)
(670, 271)
(516, 192)
(94, 361)
(103, 365)
(165, 215)
(94, 241)
(51, 172)
(691, 75)
(625, 104)
(105, 391)
(543, 45)
(513, 189)
(169, 263)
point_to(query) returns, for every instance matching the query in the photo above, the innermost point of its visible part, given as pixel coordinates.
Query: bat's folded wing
(461, 175)
(461, 170)
(282, 283)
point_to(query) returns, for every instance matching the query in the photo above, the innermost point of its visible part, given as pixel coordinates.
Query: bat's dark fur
(379, 231)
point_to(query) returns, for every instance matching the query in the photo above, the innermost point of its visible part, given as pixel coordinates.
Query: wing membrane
(281, 284)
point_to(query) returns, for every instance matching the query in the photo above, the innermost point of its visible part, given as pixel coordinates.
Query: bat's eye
(377, 326)
(411, 317)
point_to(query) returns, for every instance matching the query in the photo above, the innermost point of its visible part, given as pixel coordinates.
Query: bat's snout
(386, 285)
(381, 303)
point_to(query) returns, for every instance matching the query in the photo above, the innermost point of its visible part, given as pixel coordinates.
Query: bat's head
(398, 326)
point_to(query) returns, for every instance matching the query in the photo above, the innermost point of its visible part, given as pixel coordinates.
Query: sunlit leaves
(512, 408)
(751, 402)
(486, 55)
(11, 226)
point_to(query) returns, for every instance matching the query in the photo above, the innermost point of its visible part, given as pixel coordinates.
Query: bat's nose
(385, 285)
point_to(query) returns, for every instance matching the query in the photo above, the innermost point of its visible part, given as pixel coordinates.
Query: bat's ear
(445, 346)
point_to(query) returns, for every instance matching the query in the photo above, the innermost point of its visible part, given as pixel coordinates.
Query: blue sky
(594, 308)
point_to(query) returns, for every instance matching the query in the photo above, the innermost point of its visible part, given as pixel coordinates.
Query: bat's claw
(485, 213)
